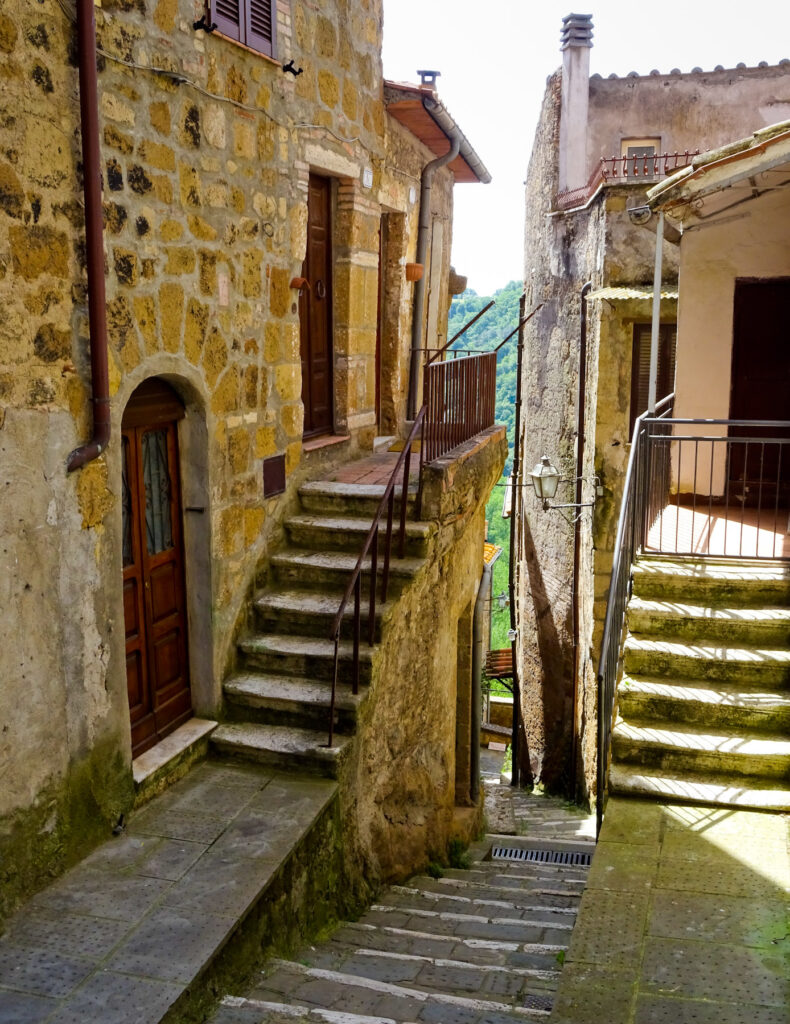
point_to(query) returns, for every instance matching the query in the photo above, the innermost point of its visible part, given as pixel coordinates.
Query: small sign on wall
(273, 475)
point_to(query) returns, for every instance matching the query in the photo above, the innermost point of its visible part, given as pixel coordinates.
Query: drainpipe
(426, 183)
(515, 514)
(92, 190)
(477, 674)
(657, 270)
(577, 527)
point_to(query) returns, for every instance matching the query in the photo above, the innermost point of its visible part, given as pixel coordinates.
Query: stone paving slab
(122, 936)
(686, 920)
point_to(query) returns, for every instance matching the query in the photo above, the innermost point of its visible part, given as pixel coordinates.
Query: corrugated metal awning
(630, 293)
(490, 553)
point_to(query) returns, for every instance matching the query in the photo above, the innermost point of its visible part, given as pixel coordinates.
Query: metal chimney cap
(428, 77)
(576, 31)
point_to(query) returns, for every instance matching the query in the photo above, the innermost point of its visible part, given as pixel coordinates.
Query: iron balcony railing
(460, 400)
(613, 170)
(707, 488)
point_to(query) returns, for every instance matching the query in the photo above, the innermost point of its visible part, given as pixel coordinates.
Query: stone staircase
(704, 703)
(278, 702)
(482, 945)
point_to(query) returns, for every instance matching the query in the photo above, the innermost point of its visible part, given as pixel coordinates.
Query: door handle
(320, 289)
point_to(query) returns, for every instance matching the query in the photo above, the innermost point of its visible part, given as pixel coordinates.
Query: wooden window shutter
(261, 22)
(252, 22)
(228, 16)
(640, 367)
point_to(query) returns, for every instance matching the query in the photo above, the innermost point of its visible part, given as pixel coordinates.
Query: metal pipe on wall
(426, 184)
(92, 190)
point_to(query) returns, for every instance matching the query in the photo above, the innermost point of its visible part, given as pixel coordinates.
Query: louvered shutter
(228, 17)
(261, 18)
(640, 367)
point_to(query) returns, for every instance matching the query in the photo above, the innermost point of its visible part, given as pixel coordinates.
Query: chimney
(576, 39)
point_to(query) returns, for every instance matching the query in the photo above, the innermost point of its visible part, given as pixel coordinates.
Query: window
(252, 22)
(640, 367)
(638, 157)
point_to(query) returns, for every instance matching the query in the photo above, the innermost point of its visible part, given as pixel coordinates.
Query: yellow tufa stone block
(157, 155)
(279, 292)
(215, 356)
(114, 109)
(195, 330)
(254, 519)
(239, 451)
(37, 250)
(208, 272)
(265, 442)
(159, 116)
(350, 98)
(180, 260)
(288, 381)
(328, 88)
(293, 456)
(250, 386)
(189, 186)
(272, 347)
(243, 140)
(94, 497)
(228, 530)
(292, 417)
(201, 228)
(163, 188)
(171, 311)
(171, 230)
(145, 316)
(251, 278)
(226, 395)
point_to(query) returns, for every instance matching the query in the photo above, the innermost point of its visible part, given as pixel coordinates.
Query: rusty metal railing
(623, 169)
(371, 547)
(460, 399)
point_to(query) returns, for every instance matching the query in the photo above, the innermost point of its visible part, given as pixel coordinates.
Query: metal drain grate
(572, 857)
(538, 1003)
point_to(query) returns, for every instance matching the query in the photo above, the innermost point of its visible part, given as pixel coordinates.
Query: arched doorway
(154, 592)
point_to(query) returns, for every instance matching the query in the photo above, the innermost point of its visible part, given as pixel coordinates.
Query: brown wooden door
(315, 311)
(760, 387)
(157, 671)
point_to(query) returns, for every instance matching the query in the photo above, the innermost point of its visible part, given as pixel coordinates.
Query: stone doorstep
(170, 759)
(193, 917)
(325, 441)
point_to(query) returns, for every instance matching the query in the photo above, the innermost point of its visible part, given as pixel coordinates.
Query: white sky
(495, 56)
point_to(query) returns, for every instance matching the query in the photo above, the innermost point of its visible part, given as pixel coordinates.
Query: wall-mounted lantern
(545, 479)
(502, 600)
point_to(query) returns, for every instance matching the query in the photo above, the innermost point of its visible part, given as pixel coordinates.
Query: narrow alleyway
(482, 944)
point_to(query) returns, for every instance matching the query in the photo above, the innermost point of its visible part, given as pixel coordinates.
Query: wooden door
(315, 311)
(157, 670)
(760, 387)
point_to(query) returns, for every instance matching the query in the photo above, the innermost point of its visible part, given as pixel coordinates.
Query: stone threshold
(170, 759)
(325, 441)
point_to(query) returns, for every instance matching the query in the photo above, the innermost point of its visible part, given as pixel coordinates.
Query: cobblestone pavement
(479, 945)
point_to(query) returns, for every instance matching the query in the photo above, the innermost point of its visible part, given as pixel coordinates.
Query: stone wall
(206, 152)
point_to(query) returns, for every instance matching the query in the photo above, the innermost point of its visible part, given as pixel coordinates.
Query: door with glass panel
(157, 670)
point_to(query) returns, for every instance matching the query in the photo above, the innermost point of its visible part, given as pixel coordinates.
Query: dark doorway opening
(154, 591)
(315, 311)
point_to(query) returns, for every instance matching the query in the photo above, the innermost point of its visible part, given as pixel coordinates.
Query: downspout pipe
(577, 532)
(92, 190)
(656, 320)
(426, 184)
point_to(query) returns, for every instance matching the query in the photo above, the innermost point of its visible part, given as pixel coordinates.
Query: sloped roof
(765, 153)
(418, 108)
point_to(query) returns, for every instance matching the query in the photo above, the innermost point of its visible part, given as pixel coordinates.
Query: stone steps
(725, 583)
(347, 533)
(326, 569)
(472, 926)
(757, 627)
(311, 612)
(304, 656)
(341, 991)
(290, 700)
(680, 659)
(677, 747)
(281, 746)
(402, 896)
(703, 702)
(699, 788)
(536, 893)
(328, 497)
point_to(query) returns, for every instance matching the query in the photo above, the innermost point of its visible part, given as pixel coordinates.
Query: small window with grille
(639, 157)
(640, 367)
(252, 22)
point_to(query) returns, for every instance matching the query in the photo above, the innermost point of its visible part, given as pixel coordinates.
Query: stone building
(599, 145)
(260, 195)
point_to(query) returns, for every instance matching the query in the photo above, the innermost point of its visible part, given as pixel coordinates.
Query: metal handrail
(627, 542)
(371, 545)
